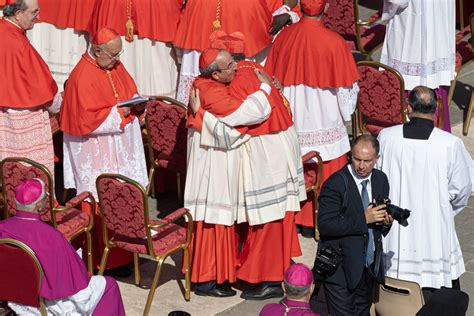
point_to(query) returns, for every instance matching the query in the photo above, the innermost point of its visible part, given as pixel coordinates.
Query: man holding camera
(353, 227)
(430, 170)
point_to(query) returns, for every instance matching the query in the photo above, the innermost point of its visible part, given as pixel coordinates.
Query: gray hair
(296, 291)
(12, 9)
(207, 72)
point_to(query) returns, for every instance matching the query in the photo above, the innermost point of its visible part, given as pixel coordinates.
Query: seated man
(298, 286)
(66, 286)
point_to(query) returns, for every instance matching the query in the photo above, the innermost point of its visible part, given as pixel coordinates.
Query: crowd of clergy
(265, 83)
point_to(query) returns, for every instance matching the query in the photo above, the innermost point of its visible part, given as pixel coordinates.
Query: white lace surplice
(108, 149)
(420, 41)
(319, 116)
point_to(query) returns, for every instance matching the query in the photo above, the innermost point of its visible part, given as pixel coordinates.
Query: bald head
(107, 54)
(423, 100)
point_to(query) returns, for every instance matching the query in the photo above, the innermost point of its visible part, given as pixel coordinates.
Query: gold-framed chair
(126, 224)
(68, 219)
(381, 98)
(167, 138)
(21, 274)
(343, 18)
(398, 297)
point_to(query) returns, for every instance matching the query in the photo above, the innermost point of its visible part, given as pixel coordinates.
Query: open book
(133, 101)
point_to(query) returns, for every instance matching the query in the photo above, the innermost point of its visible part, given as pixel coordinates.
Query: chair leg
(156, 278)
(315, 205)
(136, 267)
(187, 275)
(467, 121)
(90, 268)
(103, 261)
(452, 87)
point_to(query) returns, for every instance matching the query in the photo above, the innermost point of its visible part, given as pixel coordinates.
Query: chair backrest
(382, 94)
(123, 206)
(167, 133)
(398, 297)
(340, 18)
(20, 273)
(13, 171)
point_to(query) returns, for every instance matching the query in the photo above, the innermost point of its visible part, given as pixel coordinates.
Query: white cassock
(432, 179)
(420, 41)
(61, 49)
(152, 65)
(108, 149)
(319, 116)
(213, 172)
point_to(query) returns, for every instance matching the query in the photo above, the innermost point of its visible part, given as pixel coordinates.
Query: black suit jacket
(348, 232)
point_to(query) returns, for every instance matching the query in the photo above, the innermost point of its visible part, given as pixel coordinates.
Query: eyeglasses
(229, 66)
(114, 57)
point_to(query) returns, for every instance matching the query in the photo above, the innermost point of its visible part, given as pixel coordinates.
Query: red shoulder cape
(246, 82)
(308, 53)
(25, 78)
(156, 20)
(251, 17)
(89, 97)
(215, 98)
(66, 13)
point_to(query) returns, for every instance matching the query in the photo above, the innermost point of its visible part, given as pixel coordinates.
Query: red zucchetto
(312, 7)
(104, 35)
(233, 42)
(207, 57)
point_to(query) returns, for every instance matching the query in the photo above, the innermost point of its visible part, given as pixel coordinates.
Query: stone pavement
(169, 294)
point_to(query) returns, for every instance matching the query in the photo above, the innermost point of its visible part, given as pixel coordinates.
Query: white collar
(358, 179)
(10, 21)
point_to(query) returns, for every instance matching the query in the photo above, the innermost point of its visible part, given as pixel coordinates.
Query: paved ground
(169, 297)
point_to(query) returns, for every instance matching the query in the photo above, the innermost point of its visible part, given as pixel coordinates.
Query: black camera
(399, 214)
(326, 263)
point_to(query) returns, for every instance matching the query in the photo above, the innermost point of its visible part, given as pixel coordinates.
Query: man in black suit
(352, 226)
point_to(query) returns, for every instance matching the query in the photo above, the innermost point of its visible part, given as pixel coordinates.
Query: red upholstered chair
(167, 138)
(68, 219)
(342, 17)
(381, 99)
(464, 53)
(21, 274)
(312, 181)
(126, 224)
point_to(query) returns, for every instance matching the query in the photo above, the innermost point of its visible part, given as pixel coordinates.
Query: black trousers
(345, 302)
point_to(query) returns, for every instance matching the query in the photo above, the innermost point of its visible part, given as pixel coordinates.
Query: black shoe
(119, 272)
(262, 292)
(307, 232)
(216, 292)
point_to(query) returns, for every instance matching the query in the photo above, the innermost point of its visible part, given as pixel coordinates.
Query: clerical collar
(10, 21)
(27, 216)
(418, 128)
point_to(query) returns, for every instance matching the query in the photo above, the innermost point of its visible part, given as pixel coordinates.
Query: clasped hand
(377, 214)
